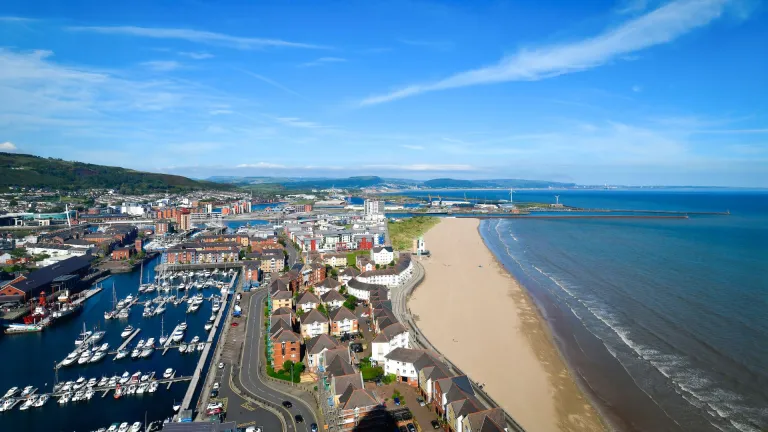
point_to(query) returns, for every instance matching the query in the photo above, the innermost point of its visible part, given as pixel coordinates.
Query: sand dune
(473, 311)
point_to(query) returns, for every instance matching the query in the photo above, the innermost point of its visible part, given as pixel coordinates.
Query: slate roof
(378, 249)
(283, 311)
(343, 382)
(46, 275)
(389, 332)
(490, 420)
(318, 343)
(329, 283)
(279, 325)
(350, 271)
(356, 284)
(285, 335)
(358, 398)
(405, 355)
(337, 366)
(314, 316)
(332, 295)
(282, 295)
(307, 297)
(342, 313)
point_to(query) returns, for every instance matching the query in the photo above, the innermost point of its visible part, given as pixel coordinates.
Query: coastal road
(293, 254)
(251, 376)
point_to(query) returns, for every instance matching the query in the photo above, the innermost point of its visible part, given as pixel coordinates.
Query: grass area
(284, 374)
(369, 372)
(403, 232)
(352, 257)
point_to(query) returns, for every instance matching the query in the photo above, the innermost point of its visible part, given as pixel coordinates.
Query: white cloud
(637, 88)
(323, 60)
(199, 36)
(425, 167)
(8, 147)
(297, 122)
(412, 147)
(435, 45)
(15, 19)
(220, 112)
(660, 26)
(196, 55)
(271, 82)
(631, 6)
(161, 65)
(261, 165)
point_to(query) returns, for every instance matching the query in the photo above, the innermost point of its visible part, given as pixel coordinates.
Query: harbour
(38, 350)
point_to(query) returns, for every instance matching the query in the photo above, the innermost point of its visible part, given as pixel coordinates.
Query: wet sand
(480, 317)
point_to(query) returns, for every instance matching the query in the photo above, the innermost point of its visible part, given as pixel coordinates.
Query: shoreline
(537, 388)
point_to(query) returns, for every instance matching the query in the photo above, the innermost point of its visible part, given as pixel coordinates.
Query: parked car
(435, 424)
(287, 404)
(298, 418)
(313, 427)
(397, 401)
(411, 427)
(420, 400)
(234, 324)
(214, 393)
(403, 429)
(221, 365)
(216, 386)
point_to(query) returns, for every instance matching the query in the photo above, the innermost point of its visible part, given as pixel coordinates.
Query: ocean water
(663, 321)
(28, 359)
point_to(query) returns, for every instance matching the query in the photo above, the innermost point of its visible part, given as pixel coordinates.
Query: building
(343, 321)
(286, 345)
(382, 255)
(307, 301)
(357, 408)
(316, 348)
(161, 228)
(391, 337)
(185, 221)
(282, 299)
(391, 276)
(313, 324)
(490, 420)
(348, 274)
(328, 284)
(400, 362)
(364, 263)
(372, 207)
(252, 272)
(122, 253)
(30, 286)
(335, 259)
(332, 300)
(362, 290)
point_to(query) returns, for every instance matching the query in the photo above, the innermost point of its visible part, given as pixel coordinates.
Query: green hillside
(35, 171)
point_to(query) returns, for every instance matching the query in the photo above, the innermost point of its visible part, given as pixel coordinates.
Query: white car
(215, 386)
(221, 365)
(214, 405)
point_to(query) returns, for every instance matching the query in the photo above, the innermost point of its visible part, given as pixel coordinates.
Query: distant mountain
(497, 183)
(34, 171)
(295, 183)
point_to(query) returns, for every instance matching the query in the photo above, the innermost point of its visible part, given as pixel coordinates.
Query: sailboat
(142, 287)
(163, 337)
(113, 313)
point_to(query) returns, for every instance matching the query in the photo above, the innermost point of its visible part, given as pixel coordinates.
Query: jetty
(209, 343)
(127, 340)
(85, 295)
(168, 342)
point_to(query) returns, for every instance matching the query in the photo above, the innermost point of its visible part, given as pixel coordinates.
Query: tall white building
(372, 207)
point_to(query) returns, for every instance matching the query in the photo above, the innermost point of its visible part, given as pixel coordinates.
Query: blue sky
(622, 92)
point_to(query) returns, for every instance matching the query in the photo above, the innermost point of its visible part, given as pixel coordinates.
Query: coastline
(522, 369)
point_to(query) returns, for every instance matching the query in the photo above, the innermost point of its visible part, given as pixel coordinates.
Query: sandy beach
(478, 316)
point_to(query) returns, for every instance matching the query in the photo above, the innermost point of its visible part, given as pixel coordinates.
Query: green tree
(321, 308)
(351, 303)
(388, 378)
(18, 253)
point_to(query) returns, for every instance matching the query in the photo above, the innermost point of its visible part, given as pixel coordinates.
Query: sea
(664, 322)
(29, 359)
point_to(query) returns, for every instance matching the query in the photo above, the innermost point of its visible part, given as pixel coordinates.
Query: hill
(498, 183)
(34, 171)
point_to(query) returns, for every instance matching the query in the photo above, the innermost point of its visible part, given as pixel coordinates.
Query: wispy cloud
(322, 61)
(261, 165)
(8, 147)
(271, 82)
(198, 36)
(425, 167)
(412, 147)
(15, 19)
(161, 65)
(220, 112)
(435, 45)
(631, 6)
(660, 26)
(196, 55)
(297, 122)
(637, 88)
(732, 131)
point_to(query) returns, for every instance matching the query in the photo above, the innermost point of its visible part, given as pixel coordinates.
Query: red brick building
(365, 243)
(286, 345)
(122, 253)
(161, 228)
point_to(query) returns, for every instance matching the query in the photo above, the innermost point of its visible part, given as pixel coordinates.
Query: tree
(378, 266)
(351, 303)
(321, 308)
(388, 378)
(343, 290)
(18, 253)
(249, 249)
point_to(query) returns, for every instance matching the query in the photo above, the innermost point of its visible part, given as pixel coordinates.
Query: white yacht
(200, 346)
(96, 337)
(177, 336)
(124, 379)
(183, 348)
(104, 347)
(183, 325)
(195, 340)
(140, 345)
(42, 400)
(89, 394)
(208, 326)
(136, 427)
(28, 390)
(121, 354)
(193, 308)
(28, 403)
(102, 382)
(153, 386)
(142, 387)
(113, 381)
(127, 332)
(123, 427)
(168, 373)
(135, 353)
(113, 427)
(7, 404)
(84, 336)
(65, 398)
(71, 358)
(85, 357)
(146, 352)
(79, 383)
(160, 308)
(91, 382)
(150, 342)
(124, 314)
(99, 356)
(12, 391)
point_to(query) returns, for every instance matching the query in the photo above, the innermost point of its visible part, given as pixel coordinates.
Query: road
(293, 254)
(243, 412)
(251, 376)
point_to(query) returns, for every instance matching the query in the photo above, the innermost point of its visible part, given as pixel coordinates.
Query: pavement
(256, 384)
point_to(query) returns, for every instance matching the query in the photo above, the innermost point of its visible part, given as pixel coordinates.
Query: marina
(39, 351)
